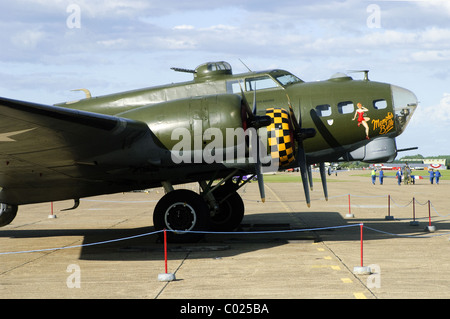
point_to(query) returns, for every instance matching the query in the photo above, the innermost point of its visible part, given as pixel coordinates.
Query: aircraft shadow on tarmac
(150, 247)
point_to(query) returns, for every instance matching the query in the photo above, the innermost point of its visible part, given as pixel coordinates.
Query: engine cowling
(280, 136)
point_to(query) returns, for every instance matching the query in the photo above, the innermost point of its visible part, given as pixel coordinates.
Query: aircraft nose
(404, 103)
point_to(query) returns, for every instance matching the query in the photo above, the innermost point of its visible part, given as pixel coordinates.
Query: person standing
(381, 176)
(437, 175)
(431, 176)
(374, 176)
(399, 176)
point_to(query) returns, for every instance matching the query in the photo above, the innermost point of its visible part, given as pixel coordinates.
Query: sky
(49, 47)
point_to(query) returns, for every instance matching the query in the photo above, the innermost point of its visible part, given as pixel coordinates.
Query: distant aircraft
(209, 130)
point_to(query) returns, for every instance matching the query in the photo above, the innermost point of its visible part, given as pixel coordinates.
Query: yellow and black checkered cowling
(280, 136)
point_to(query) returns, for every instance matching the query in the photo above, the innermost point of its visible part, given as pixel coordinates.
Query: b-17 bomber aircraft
(215, 130)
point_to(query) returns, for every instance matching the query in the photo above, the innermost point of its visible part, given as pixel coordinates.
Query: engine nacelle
(382, 149)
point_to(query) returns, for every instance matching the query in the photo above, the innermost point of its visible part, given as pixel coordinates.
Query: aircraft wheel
(182, 210)
(230, 214)
(7, 214)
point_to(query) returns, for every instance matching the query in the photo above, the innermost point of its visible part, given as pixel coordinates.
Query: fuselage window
(323, 110)
(234, 87)
(346, 107)
(379, 104)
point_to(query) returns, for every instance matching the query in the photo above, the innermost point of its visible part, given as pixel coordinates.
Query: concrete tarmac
(406, 261)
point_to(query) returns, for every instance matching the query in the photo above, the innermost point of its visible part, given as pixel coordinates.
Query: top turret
(211, 70)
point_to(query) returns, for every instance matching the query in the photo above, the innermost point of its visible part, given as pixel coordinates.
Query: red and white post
(430, 228)
(361, 270)
(349, 215)
(166, 276)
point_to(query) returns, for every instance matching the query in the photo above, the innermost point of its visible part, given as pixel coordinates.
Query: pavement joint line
(351, 272)
(176, 270)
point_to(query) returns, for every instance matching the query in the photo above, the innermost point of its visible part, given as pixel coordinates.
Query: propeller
(256, 122)
(301, 134)
(323, 177)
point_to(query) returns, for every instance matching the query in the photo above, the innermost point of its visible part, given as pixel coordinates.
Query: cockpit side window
(260, 83)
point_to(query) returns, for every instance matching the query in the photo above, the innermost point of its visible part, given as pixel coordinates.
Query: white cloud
(442, 111)
(431, 55)
(183, 27)
(438, 114)
(27, 39)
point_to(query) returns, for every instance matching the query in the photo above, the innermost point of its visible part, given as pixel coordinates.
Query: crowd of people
(405, 176)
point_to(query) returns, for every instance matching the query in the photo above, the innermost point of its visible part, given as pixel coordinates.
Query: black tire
(7, 214)
(182, 210)
(231, 211)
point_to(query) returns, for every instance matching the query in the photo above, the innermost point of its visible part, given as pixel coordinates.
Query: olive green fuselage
(330, 107)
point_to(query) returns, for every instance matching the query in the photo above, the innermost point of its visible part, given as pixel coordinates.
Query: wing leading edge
(52, 153)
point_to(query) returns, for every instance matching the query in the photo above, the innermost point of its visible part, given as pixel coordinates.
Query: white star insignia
(6, 137)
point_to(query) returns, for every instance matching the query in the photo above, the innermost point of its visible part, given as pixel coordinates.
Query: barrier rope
(402, 206)
(82, 245)
(405, 236)
(227, 233)
(366, 196)
(437, 211)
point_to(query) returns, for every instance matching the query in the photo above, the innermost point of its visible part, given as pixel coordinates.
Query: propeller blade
(254, 101)
(324, 179)
(300, 135)
(247, 106)
(310, 177)
(258, 166)
(259, 176)
(301, 157)
(293, 118)
(256, 122)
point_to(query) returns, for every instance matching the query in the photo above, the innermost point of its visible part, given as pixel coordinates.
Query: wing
(52, 153)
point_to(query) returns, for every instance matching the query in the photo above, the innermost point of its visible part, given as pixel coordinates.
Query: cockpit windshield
(287, 79)
(405, 103)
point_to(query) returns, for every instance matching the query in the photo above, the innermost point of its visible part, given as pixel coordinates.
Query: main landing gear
(216, 208)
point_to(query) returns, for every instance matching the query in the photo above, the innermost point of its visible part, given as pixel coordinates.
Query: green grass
(292, 178)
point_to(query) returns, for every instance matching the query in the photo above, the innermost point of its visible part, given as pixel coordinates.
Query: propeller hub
(260, 121)
(305, 133)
